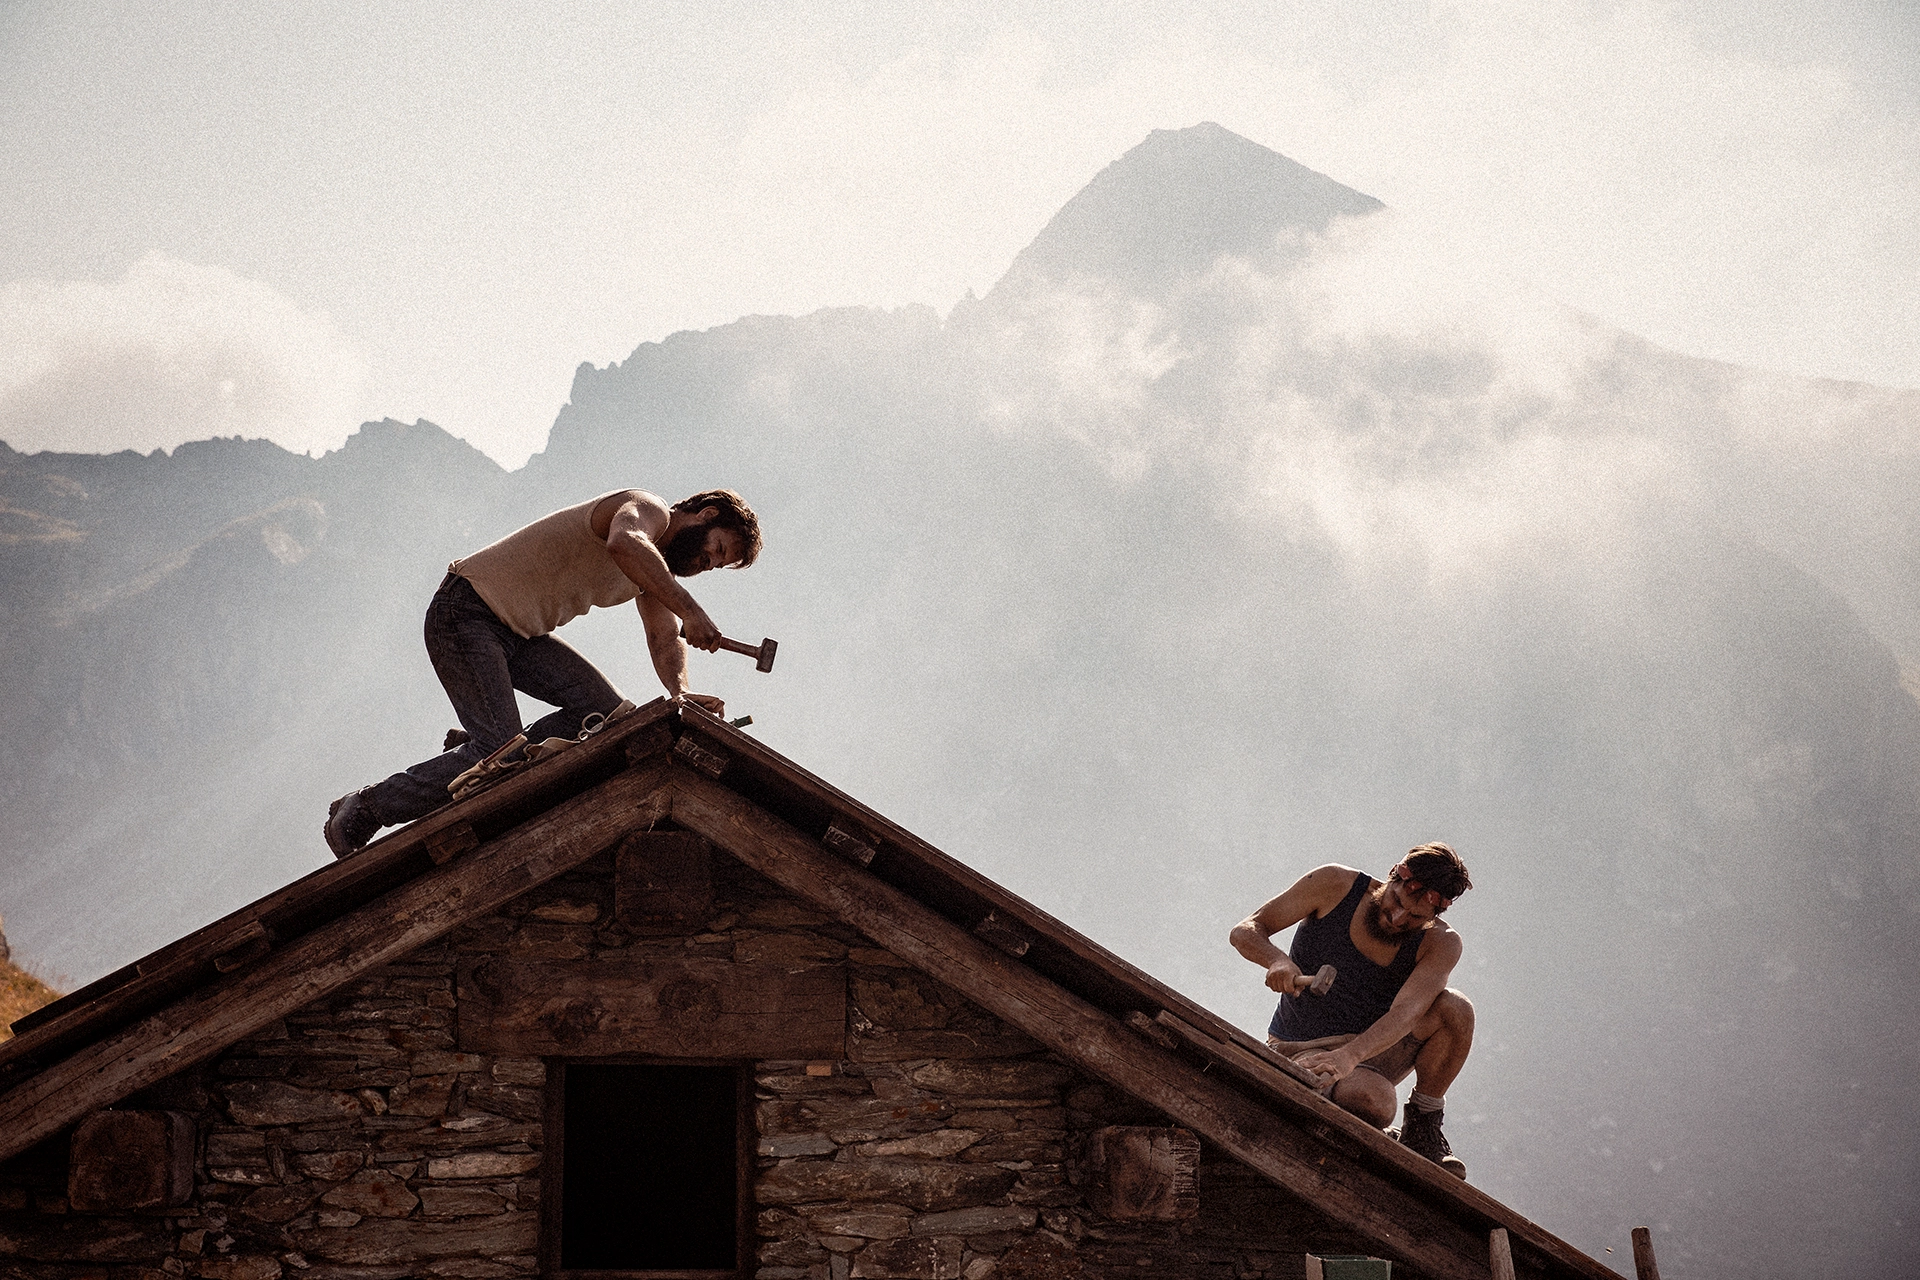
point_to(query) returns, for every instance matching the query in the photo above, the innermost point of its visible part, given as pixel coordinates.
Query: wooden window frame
(553, 1165)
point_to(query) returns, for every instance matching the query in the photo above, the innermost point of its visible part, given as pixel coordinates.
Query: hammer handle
(751, 650)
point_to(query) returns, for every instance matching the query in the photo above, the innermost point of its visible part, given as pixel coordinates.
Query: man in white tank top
(489, 630)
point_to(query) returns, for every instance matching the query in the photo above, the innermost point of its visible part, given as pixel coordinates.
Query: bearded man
(1389, 1012)
(490, 627)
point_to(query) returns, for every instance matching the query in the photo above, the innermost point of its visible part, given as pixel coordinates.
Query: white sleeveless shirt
(549, 572)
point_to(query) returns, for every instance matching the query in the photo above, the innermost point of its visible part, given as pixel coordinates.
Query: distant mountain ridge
(1175, 204)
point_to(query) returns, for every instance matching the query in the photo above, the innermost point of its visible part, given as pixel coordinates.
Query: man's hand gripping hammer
(1321, 984)
(762, 653)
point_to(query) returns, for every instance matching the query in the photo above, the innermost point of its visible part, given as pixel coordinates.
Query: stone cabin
(666, 1005)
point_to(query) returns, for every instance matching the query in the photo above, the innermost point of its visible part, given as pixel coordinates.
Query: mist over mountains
(1235, 531)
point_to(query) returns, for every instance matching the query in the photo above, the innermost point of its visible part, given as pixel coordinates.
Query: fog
(1144, 593)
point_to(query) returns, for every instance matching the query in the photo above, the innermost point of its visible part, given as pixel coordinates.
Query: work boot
(1420, 1133)
(351, 822)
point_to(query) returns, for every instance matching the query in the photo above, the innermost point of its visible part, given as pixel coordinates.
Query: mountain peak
(1173, 204)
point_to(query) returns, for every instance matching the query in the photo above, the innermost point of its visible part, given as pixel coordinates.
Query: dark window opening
(650, 1167)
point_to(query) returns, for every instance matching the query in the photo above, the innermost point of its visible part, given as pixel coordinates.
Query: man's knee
(1368, 1095)
(1451, 1012)
(1455, 1011)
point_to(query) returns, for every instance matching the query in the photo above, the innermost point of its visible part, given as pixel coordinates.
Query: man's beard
(683, 549)
(1374, 922)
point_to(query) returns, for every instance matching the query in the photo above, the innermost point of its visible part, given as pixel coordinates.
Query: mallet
(1322, 981)
(762, 653)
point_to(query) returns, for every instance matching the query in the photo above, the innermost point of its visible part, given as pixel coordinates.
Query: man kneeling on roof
(1389, 1011)
(490, 631)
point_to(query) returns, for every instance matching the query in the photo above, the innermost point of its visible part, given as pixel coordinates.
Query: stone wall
(355, 1141)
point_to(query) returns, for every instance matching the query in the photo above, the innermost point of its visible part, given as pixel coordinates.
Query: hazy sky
(281, 220)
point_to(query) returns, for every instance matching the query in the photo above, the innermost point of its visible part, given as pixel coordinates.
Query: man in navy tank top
(1389, 1012)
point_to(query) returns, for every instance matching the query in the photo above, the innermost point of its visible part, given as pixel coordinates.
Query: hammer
(1322, 981)
(762, 653)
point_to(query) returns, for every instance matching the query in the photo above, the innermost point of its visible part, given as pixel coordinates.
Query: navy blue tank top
(1362, 990)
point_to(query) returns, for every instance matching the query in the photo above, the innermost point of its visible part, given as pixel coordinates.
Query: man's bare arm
(1439, 953)
(1311, 895)
(669, 654)
(631, 540)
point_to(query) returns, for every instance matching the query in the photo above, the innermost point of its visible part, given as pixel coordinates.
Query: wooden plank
(1266, 1071)
(848, 845)
(690, 751)
(1644, 1266)
(131, 992)
(450, 842)
(1397, 1222)
(1007, 934)
(682, 1008)
(243, 955)
(207, 1020)
(1499, 1254)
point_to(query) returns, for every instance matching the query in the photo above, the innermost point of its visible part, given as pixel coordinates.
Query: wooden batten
(690, 752)
(449, 843)
(244, 954)
(1005, 933)
(848, 845)
(1265, 1070)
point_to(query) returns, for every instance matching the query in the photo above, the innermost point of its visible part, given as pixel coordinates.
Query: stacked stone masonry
(355, 1141)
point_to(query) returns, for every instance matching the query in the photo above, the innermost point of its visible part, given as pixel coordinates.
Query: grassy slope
(20, 994)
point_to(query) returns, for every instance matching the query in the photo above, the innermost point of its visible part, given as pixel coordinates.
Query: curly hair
(731, 512)
(1439, 868)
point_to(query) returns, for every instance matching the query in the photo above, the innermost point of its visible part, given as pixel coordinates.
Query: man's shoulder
(1334, 873)
(1325, 886)
(1442, 941)
(651, 509)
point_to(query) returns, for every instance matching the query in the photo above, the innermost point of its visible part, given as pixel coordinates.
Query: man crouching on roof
(1389, 1011)
(490, 631)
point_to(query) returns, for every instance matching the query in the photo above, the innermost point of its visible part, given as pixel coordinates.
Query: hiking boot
(351, 822)
(1420, 1133)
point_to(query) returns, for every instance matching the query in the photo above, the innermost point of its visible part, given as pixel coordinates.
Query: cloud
(1712, 197)
(1381, 388)
(172, 351)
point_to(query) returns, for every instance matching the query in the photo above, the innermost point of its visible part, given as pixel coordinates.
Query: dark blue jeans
(480, 662)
